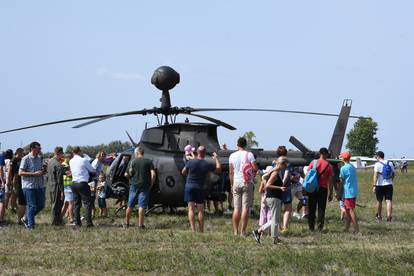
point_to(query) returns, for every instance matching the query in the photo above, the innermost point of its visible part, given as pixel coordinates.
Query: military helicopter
(165, 143)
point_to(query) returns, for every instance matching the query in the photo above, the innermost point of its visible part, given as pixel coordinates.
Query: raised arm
(218, 164)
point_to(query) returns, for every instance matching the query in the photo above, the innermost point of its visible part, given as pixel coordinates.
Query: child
(189, 152)
(264, 209)
(349, 181)
(298, 193)
(101, 189)
(92, 185)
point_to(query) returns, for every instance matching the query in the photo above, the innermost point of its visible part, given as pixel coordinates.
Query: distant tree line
(112, 147)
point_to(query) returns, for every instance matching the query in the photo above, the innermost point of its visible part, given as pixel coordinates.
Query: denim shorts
(2, 195)
(137, 195)
(287, 196)
(194, 194)
(68, 194)
(101, 203)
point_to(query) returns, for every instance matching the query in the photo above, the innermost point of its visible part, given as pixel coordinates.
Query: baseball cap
(324, 151)
(345, 155)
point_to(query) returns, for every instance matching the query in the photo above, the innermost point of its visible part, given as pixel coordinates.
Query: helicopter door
(120, 169)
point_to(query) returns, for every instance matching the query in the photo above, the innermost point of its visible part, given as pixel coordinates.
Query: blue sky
(60, 60)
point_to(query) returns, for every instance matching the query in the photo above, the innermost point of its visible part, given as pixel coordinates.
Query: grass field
(168, 247)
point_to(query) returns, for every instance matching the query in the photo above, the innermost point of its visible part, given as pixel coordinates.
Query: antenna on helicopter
(165, 78)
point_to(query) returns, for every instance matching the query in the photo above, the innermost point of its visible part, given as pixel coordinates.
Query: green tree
(112, 147)
(251, 139)
(362, 138)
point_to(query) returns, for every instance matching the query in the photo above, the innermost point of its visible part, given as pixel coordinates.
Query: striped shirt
(32, 164)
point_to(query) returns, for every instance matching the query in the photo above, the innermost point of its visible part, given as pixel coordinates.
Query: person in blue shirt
(197, 171)
(349, 188)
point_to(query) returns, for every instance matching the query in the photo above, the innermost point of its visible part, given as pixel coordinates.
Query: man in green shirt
(141, 174)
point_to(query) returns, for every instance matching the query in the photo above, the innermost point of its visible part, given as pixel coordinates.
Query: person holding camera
(197, 171)
(32, 171)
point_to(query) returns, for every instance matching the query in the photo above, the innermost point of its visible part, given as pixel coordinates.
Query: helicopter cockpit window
(153, 136)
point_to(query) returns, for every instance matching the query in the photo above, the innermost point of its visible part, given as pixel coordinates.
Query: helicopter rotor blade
(213, 120)
(190, 110)
(55, 123)
(109, 116)
(94, 119)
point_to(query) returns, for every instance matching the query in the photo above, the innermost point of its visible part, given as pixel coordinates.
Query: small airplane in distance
(361, 162)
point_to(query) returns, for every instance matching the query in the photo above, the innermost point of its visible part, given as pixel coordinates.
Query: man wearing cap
(317, 199)
(349, 191)
(382, 185)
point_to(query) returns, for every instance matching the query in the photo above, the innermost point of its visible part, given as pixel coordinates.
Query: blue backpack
(387, 171)
(310, 184)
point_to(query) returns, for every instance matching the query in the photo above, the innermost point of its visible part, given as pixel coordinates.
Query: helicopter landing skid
(122, 208)
(172, 210)
(153, 208)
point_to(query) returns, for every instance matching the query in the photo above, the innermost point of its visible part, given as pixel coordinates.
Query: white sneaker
(296, 215)
(228, 212)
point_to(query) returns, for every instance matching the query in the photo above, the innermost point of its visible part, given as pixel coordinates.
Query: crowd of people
(74, 180)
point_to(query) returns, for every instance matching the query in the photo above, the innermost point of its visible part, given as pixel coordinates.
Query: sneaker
(25, 222)
(378, 218)
(125, 225)
(83, 218)
(228, 212)
(277, 241)
(389, 219)
(305, 217)
(245, 235)
(3, 224)
(256, 235)
(296, 215)
(142, 227)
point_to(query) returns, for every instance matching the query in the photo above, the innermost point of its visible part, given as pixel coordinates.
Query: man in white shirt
(383, 184)
(242, 190)
(81, 170)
